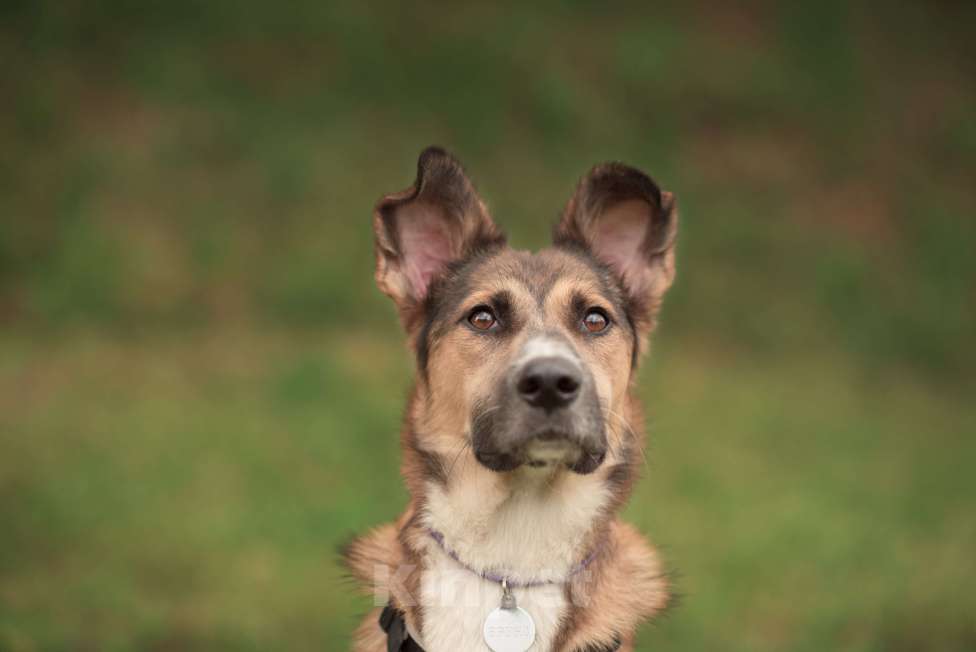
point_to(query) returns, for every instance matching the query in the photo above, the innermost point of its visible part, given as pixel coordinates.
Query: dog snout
(549, 383)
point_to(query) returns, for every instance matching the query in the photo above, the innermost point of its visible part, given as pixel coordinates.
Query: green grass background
(200, 388)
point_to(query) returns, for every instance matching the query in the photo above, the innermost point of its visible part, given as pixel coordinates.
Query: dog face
(525, 358)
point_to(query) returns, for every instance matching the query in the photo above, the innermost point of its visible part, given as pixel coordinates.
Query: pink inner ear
(426, 245)
(617, 238)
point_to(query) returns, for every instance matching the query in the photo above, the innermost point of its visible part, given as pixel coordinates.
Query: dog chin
(549, 452)
(545, 453)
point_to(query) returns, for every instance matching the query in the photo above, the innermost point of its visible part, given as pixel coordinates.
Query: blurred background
(200, 387)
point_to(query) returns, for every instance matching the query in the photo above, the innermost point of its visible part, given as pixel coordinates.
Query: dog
(522, 438)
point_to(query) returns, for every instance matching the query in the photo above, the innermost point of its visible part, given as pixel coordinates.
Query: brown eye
(595, 321)
(481, 318)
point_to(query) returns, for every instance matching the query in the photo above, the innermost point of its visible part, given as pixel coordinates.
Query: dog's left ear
(422, 230)
(620, 216)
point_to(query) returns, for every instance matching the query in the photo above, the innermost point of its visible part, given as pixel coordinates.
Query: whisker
(626, 424)
(464, 444)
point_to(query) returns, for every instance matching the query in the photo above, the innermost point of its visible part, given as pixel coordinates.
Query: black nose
(549, 383)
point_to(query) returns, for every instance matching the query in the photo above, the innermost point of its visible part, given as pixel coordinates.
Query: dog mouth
(547, 449)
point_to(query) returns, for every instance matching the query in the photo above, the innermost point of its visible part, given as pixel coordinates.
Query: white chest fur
(534, 529)
(457, 602)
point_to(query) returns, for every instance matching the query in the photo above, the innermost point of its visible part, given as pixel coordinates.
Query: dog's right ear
(422, 230)
(623, 219)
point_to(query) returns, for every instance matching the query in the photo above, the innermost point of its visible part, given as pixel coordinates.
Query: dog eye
(482, 318)
(595, 320)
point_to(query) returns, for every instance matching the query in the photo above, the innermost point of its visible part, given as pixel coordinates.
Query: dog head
(524, 359)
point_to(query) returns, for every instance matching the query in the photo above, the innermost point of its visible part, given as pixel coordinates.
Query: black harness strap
(398, 638)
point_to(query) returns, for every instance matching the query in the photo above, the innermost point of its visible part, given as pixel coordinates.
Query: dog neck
(529, 525)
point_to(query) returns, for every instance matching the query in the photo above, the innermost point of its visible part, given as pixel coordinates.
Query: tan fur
(629, 588)
(528, 521)
(625, 587)
(374, 556)
(368, 636)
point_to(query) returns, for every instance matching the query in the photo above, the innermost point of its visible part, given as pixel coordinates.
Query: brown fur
(457, 370)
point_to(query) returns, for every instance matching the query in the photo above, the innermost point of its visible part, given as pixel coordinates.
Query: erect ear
(422, 230)
(622, 218)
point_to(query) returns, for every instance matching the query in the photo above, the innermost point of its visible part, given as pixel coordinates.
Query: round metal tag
(509, 630)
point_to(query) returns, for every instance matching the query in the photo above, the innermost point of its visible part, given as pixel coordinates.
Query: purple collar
(498, 578)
